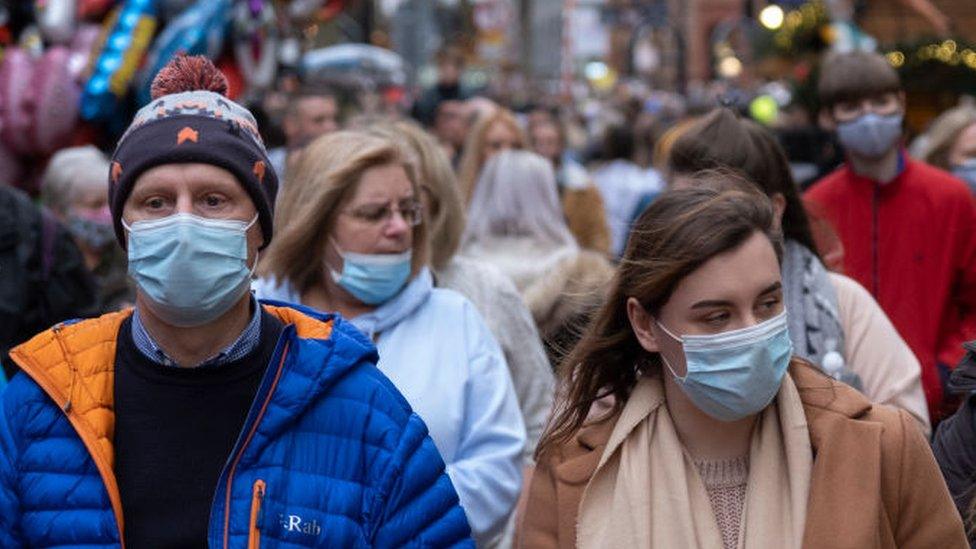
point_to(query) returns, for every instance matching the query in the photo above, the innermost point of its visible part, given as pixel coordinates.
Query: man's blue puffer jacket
(330, 454)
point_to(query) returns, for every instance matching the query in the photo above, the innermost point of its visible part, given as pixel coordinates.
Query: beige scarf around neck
(646, 492)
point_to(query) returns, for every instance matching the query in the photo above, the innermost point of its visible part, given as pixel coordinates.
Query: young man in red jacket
(907, 227)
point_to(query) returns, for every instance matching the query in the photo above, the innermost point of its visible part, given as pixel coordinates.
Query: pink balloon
(55, 97)
(81, 47)
(15, 116)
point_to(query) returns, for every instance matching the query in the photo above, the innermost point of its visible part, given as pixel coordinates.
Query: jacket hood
(963, 378)
(402, 305)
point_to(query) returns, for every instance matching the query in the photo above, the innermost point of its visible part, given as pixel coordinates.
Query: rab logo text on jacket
(294, 523)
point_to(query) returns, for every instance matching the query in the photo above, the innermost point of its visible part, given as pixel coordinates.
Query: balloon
(256, 42)
(15, 117)
(198, 30)
(55, 101)
(82, 47)
(56, 18)
(170, 9)
(93, 9)
(127, 34)
(353, 64)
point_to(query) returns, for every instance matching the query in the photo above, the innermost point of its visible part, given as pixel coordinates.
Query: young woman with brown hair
(716, 435)
(834, 322)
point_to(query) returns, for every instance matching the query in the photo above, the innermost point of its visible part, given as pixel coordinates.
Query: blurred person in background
(351, 240)
(515, 223)
(954, 443)
(833, 321)
(450, 127)
(491, 292)
(581, 200)
(950, 144)
(310, 113)
(906, 227)
(450, 66)
(493, 132)
(718, 436)
(626, 187)
(43, 275)
(75, 188)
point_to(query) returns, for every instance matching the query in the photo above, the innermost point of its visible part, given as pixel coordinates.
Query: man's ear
(826, 120)
(642, 323)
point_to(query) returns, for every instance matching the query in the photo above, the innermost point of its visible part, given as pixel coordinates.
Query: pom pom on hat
(188, 73)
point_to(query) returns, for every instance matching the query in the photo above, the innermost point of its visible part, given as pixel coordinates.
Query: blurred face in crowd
(731, 291)
(500, 137)
(311, 117)
(379, 217)
(450, 124)
(546, 141)
(89, 200)
(448, 73)
(964, 149)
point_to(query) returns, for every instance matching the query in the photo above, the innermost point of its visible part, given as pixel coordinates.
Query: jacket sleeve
(487, 467)
(539, 523)
(532, 375)
(877, 353)
(924, 514)
(415, 505)
(960, 321)
(10, 535)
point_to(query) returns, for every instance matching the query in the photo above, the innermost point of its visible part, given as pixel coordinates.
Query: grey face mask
(967, 172)
(870, 135)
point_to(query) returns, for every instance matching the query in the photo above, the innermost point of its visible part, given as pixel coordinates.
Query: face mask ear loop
(336, 275)
(664, 358)
(251, 224)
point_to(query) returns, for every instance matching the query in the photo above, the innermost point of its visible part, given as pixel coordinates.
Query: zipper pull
(259, 489)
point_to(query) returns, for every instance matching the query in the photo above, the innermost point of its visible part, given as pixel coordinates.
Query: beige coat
(874, 482)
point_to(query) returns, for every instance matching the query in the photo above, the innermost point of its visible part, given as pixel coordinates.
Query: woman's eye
(718, 318)
(155, 203)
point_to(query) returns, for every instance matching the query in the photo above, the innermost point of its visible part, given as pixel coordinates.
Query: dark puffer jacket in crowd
(954, 444)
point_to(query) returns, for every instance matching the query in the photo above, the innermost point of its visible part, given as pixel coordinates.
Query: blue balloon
(199, 30)
(126, 36)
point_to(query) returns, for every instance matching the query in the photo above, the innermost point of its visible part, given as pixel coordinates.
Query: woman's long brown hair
(679, 232)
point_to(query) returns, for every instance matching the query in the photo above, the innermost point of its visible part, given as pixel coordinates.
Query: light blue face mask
(191, 268)
(870, 135)
(735, 374)
(967, 172)
(372, 278)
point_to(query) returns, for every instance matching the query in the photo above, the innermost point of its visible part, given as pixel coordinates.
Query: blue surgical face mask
(191, 269)
(967, 172)
(372, 278)
(734, 374)
(870, 135)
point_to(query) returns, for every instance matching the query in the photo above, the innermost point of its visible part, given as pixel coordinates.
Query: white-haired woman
(516, 223)
(350, 238)
(74, 187)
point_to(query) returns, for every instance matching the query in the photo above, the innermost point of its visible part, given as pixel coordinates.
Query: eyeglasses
(883, 105)
(411, 211)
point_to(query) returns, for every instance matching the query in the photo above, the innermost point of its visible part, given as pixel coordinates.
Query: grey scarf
(814, 320)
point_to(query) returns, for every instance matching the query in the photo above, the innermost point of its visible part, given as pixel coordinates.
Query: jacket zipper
(247, 440)
(254, 530)
(875, 283)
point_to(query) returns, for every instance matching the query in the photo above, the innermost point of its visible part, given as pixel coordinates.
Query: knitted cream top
(725, 481)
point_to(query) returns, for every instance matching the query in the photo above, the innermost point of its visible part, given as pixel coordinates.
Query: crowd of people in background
(645, 322)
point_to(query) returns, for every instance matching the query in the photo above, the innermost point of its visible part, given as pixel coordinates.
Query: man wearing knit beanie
(203, 418)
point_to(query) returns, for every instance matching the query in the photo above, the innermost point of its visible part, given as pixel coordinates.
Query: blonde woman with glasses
(351, 239)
